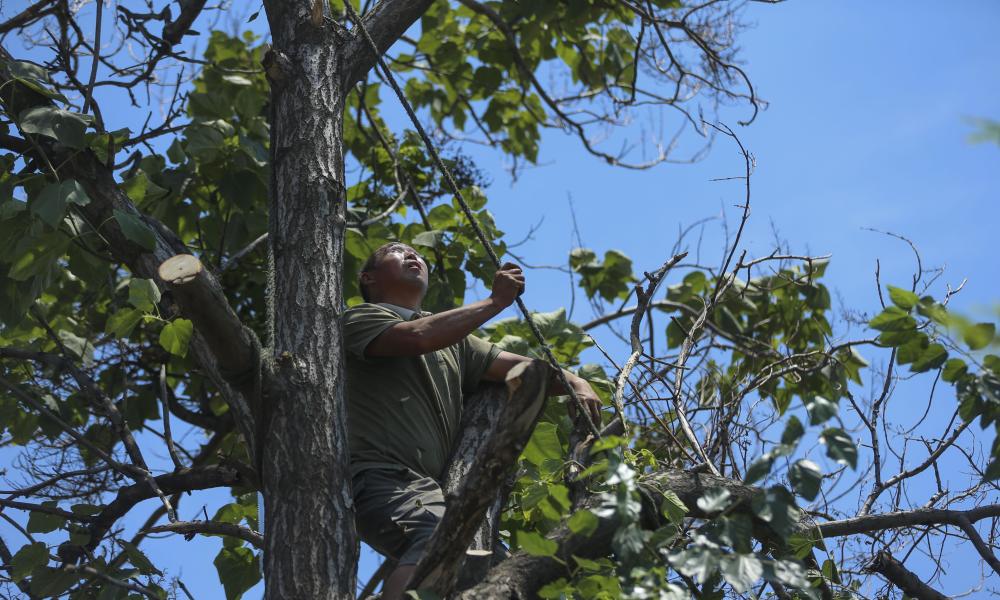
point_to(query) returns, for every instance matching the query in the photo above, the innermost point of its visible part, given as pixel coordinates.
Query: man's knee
(397, 511)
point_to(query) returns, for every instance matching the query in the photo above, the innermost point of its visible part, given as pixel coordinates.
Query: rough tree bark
(310, 549)
(494, 432)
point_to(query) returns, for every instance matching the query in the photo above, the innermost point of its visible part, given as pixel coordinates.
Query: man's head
(394, 273)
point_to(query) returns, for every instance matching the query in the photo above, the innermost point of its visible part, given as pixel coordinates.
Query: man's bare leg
(395, 584)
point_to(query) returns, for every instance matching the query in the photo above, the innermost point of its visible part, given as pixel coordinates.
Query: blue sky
(865, 129)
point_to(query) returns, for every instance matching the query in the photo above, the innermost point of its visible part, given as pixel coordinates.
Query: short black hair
(373, 261)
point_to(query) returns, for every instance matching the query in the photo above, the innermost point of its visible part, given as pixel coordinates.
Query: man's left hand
(588, 398)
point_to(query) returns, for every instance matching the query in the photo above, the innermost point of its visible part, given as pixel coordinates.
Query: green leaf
(697, 561)
(583, 522)
(904, 299)
(176, 152)
(486, 80)
(141, 189)
(586, 564)
(608, 442)
(236, 80)
(820, 410)
(791, 573)
(429, 239)
(544, 444)
(67, 127)
(735, 531)
(776, 506)
(534, 494)
(39, 522)
(932, 357)
(50, 204)
(803, 541)
(47, 582)
(38, 256)
(992, 472)
(87, 510)
(34, 77)
(892, 319)
(741, 570)
(714, 500)
(793, 431)
(979, 336)
(138, 559)
(554, 590)
(895, 339)
(992, 362)
(78, 535)
(78, 346)
(229, 513)
(239, 570)
(175, 336)
(759, 469)
(954, 370)
(536, 545)
(27, 558)
(806, 477)
(839, 446)
(933, 311)
(830, 571)
(143, 294)
(673, 508)
(610, 278)
(135, 230)
(123, 322)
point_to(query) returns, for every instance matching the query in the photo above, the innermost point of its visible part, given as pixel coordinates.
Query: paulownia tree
(188, 273)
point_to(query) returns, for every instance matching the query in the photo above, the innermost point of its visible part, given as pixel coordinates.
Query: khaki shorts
(396, 511)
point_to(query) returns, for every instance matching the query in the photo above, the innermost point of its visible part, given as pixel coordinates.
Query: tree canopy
(272, 164)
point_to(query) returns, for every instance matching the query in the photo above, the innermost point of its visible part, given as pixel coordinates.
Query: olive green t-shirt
(406, 410)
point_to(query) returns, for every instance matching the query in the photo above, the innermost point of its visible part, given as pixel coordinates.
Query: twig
(95, 60)
(644, 296)
(210, 528)
(165, 398)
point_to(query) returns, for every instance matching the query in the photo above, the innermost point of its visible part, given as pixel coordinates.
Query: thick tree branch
(884, 564)
(977, 541)
(477, 470)
(175, 30)
(386, 22)
(185, 480)
(201, 299)
(32, 13)
(908, 518)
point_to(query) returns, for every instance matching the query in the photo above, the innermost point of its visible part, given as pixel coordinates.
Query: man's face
(401, 265)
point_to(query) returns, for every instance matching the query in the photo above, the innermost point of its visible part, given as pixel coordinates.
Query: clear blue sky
(865, 129)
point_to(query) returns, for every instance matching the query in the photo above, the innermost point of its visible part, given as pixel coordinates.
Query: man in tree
(407, 373)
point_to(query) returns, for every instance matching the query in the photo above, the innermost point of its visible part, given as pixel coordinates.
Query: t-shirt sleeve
(363, 323)
(477, 356)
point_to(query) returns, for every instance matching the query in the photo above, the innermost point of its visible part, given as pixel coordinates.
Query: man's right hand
(508, 284)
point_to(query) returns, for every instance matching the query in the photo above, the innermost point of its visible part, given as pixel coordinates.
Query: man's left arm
(505, 361)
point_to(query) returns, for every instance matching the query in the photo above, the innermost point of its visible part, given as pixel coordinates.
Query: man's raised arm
(437, 331)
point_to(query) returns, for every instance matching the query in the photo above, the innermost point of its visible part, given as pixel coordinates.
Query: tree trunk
(310, 549)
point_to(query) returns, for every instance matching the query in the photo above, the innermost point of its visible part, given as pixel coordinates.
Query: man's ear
(367, 278)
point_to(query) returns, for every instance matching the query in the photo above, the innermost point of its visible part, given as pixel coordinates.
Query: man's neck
(401, 302)
(402, 311)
